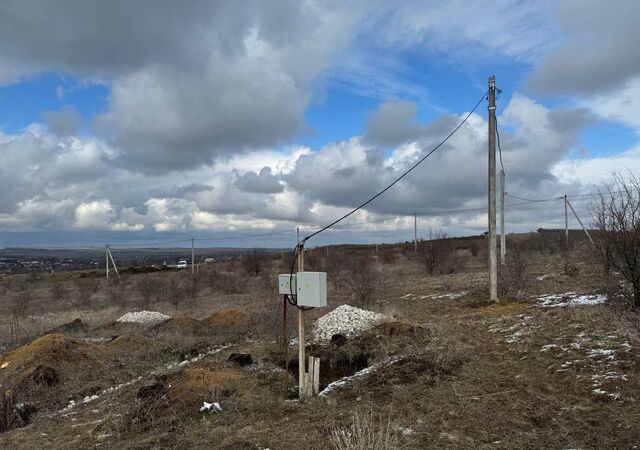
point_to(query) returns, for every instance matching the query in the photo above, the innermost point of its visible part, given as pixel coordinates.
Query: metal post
(503, 238)
(415, 233)
(301, 343)
(493, 263)
(192, 256)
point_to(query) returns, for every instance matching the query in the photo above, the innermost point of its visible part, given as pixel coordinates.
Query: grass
(473, 376)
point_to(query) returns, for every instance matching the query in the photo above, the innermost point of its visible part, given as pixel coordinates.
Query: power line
(228, 238)
(499, 146)
(150, 244)
(403, 175)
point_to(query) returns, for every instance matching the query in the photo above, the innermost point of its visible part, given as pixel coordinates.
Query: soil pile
(228, 317)
(131, 343)
(180, 325)
(192, 386)
(76, 326)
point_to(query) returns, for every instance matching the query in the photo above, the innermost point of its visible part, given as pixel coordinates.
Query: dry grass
(367, 431)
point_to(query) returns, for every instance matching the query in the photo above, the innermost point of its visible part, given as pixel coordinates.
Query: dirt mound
(391, 328)
(46, 360)
(192, 386)
(180, 325)
(228, 317)
(75, 326)
(115, 328)
(131, 343)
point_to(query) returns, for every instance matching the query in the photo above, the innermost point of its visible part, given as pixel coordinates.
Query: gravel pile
(346, 320)
(143, 317)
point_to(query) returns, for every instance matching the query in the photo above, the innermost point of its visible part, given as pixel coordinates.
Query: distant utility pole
(106, 259)
(503, 239)
(579, 221)
(493, 260)
(193, 254)
(566, 222)
(415, 233)
(297, 235)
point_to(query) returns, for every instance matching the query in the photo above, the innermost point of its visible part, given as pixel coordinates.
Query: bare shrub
(513, 274)
(57, 291)
(227, 282)
(117, 292)
(388, 256)
(616, 217)
(150, 290)
(436, 251)
(85, 289)
(253, 262)
(364, 281)
(367, 431)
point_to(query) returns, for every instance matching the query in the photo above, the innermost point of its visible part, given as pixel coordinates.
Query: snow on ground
(570, 299)
(345, 319)
(450, 296)
(146, 317)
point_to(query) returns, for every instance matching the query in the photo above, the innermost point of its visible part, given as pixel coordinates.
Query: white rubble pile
(346, 320)
(143, 317)
(570, 299)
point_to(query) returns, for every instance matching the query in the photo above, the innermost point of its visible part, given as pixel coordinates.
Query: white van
(182, 264)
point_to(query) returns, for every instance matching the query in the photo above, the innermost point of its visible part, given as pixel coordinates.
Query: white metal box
(312, 289)
(285, 282)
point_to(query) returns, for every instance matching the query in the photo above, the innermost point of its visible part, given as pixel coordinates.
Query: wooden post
(316, 376)
(285, 339)
(301, 351)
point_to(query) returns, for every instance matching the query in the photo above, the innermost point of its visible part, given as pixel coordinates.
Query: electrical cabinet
(312, 289)
(287, 284)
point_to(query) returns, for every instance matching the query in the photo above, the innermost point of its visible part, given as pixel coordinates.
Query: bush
(436, 251)
(364, 281)
(367, 431)
(513, 274)
(86, 288)
(616, 217)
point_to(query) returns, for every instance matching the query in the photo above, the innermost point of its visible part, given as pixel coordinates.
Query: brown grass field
(449, 370)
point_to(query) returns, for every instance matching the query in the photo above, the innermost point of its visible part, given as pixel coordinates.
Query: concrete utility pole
(297, 235)
(301, 344)
(579, 221)
(493, 260)
(503, 239)
(415, 233)
(106, 258)
(193, 253)
(566, 222)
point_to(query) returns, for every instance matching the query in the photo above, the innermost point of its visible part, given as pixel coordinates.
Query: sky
(149, 122)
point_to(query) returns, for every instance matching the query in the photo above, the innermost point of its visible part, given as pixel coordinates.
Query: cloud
(393, 123)
(233, 82)
(63, 122)
(599, 52)
(263, 182)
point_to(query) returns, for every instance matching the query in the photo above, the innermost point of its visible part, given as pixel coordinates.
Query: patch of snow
(607, 353)
(345, 380)
(450, 296)
(146, 317)
(570, 299)
(345, 319)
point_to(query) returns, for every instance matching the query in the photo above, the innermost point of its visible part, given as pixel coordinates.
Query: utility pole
(297, 235)
(503, 239)
(302, 385)
(106, 258)
(580, 222)
(566, 222)
(493, 263)
(192, 256)
(415, 233)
